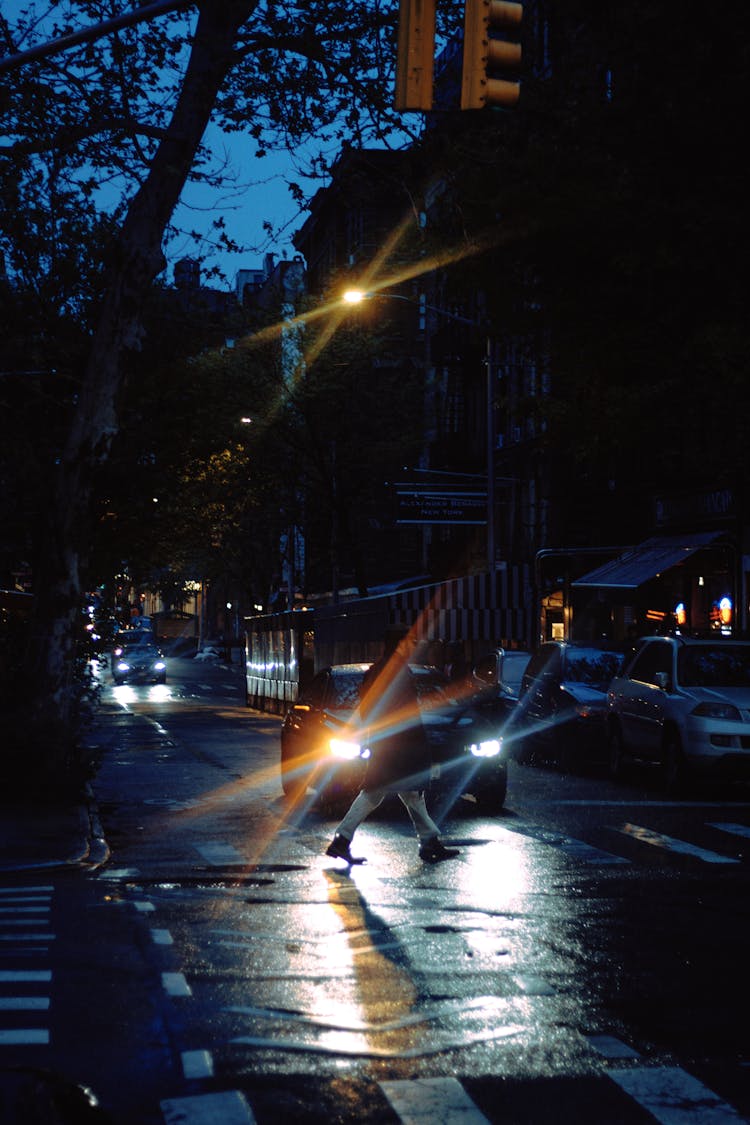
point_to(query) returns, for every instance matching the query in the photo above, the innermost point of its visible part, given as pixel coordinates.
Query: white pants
(367, 800)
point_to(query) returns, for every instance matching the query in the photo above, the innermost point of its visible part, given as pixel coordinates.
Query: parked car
(324, 744)
(140, 663)
(685, 704)
(497, 676)
(563, 705)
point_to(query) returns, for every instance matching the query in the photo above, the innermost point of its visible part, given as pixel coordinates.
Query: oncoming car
(683, 703)
(142, 663)
(324, 744)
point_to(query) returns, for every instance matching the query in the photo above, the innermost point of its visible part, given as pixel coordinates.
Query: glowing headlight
(345, 750)
(123, 667)
(489, 749)
(159, 666)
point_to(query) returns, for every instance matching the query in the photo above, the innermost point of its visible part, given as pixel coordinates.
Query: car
(127, 638)
(324, 742)
(497, 677)
(562, 708)
(140, 663)
(683, 703)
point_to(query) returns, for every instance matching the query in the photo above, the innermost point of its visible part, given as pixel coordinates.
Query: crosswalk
(670, 1094)
(25, 974)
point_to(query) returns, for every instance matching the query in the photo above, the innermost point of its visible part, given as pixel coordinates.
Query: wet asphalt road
(583, 960)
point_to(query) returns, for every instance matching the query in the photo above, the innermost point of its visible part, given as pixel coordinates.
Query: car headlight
(123, 667)
(718, 711)
(489, 749)
(159, 666)
(340, 748)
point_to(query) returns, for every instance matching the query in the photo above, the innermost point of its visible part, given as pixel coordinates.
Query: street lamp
(357, 296)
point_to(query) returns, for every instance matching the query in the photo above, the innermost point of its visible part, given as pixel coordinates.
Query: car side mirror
(662, 680)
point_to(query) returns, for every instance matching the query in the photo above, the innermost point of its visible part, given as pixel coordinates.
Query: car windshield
(714, 666)
(345, 689)
(593, 666)
(514, 666)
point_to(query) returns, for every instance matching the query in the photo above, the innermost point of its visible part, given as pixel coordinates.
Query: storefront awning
(646, 561)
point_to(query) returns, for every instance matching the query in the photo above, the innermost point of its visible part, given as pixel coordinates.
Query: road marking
(144, 907)
(25, 890)
(174, 984)
(669, 843)
(578, 849)
(27, 976)
(27, 937)
(674, 1097)
(220, 855)
(611, 1047)
(197, 1064)
(23, 1037)
(162, 937)
(24, 910)
(733, 829)
(24, 1003)
(229, 1108)
(425, 1101)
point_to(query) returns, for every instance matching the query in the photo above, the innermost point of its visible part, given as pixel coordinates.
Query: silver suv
(685, 704)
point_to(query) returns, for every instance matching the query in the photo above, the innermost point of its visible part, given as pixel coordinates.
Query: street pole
(490, 459)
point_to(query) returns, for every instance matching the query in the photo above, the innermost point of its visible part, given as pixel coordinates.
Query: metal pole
(490, 458)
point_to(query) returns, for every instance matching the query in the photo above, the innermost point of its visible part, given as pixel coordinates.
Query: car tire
(616, 752)
(674, 765)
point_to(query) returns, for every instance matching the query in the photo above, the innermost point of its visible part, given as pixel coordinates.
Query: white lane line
(432, 1101)
(229, 1108)
(144, 907)
(27, 937)
(120, 873)
(25, 890)
(220, 855)
(24, 1003)
(733, 829)
(175, 984)
(197, 1064)
(674, 1097)
(669, 843)
(611, 1047)
(24, 1037)
(162, 937)
(24, 910)
(26, 976)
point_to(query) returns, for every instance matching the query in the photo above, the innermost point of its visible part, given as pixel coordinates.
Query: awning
(646, 561)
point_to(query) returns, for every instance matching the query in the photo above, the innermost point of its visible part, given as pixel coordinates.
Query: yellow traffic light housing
(416, 54)
(491, 51)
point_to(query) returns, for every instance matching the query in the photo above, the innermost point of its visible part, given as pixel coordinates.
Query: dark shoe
(339, 849)
(432, 851)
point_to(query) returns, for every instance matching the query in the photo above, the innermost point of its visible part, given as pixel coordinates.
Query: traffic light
(416, 54)
(491, 50)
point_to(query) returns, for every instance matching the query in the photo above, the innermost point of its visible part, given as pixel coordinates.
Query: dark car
(140, 663)
(324, 744)
(563, 706)
(127, 639)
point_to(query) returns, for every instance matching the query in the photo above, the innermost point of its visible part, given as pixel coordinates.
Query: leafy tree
(127, 114)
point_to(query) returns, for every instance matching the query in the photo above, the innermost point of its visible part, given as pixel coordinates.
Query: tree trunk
(138, 260)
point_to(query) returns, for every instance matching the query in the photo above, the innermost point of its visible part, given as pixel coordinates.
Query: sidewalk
(42, 833)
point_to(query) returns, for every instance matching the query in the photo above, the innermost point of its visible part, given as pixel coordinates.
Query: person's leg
(416, 807)
(366, 801)
(430, 847)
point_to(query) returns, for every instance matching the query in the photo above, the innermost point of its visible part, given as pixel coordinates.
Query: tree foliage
(100, 141)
